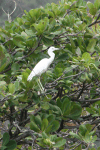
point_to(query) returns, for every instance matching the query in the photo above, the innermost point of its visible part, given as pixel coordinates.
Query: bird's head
(51, 49)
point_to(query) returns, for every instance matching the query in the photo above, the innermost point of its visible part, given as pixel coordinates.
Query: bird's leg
(41, 87)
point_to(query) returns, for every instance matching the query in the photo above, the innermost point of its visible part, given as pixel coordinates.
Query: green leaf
(47, 41)
(29, 32)
(60, 143)
(18, 56)
(14, 68)
(93, 65)
(49, 129)
(63, 57)
(34, 127)
(87, 137)
(44, 135)
(55, 126)
(83, 129)
(86, 57)
(94, 138)
(50, 118)
(38, 120)
(72, 43)
(11, 87)
(41, 26)
(56, 109)
(45, 105)
(44, 124)
(89, 127)
(92, 149)
(4, 58)
(16, 85)
(75, 111)
(92, 8)
(2, 54)
(98, 148)
(19, 40)
(19, 49)
(3, 147)
(97, 4)
(79, 148)
(3, 66)
(5, 139)
(55, 138)
(2, 83)
(32, 117)
(11, 145)
(78, 51)
(24, 77)
(66, 6)
(91, 45)
(59, 103)
(66, 107)
(50, 13)
(75, 135)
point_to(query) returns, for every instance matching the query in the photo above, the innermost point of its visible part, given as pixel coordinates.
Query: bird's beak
(56, 48)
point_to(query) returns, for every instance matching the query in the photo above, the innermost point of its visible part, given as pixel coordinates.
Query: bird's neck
(52, 56)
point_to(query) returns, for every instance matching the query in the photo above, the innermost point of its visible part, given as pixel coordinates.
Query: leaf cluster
(66, 115)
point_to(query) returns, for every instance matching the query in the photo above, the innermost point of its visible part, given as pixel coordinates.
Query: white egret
(42, 66)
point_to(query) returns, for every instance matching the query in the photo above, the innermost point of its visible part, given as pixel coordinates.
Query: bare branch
(14, 8)
(9, 15)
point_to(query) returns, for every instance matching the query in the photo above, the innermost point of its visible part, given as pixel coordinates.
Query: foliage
(7, 144)
(69, 118)
(8, 6)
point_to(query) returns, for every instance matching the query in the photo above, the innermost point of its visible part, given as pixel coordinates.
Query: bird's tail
(32, 74)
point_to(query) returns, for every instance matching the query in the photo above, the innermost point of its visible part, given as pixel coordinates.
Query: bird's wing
(41, 66)
(32, 74)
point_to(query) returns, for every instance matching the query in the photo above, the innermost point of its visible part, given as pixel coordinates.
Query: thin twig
(9, 15)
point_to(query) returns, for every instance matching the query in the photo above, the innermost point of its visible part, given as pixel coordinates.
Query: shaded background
(8, 6)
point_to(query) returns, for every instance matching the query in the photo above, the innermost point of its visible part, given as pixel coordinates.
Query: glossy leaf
(11, 145)
(75, 135)
(38, 120)
(60, 143)
(5, 139)
(55, 125)
(11, 87)
(34, 127)
(44, 124)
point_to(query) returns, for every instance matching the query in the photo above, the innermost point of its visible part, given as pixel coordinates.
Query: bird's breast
(42, 66)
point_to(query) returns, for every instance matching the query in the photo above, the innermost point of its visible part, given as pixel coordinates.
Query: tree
(9, 5)
(70, 118)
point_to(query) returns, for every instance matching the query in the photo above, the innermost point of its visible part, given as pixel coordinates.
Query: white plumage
(43, 64)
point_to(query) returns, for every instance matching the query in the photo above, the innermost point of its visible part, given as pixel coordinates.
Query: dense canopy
(70, 118)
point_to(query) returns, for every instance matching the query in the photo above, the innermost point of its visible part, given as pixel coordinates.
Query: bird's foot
(43, 92)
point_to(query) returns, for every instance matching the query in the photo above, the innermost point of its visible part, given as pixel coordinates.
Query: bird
(42, 66)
